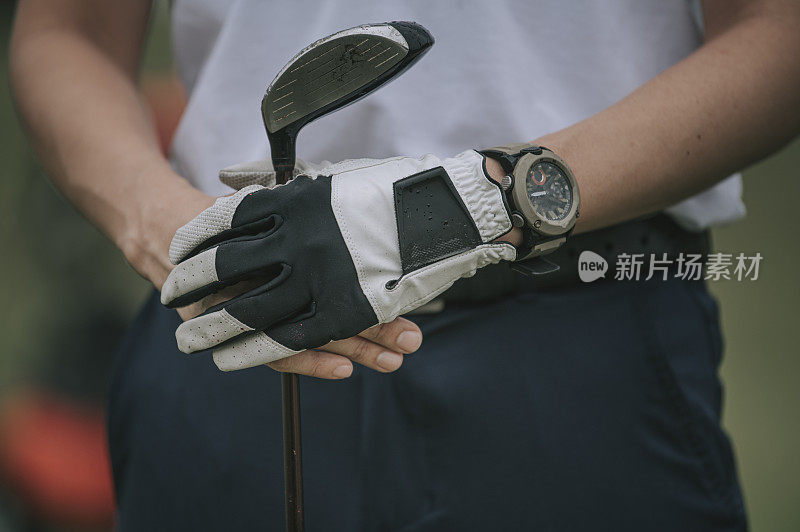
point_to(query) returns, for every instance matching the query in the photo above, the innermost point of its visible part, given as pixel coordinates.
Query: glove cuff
(482, 196)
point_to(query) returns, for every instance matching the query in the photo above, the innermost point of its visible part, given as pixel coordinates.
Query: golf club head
(332, 73)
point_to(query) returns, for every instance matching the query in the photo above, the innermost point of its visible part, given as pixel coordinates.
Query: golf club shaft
(292, 455)
(292, 100)
(282, 145)
(292, 445)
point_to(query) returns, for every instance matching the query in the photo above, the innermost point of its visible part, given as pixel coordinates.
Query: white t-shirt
(501, 71)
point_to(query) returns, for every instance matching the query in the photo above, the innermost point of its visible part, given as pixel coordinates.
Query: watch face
(549, 191)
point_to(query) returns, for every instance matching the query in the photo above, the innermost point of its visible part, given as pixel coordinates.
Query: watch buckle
(535, 266)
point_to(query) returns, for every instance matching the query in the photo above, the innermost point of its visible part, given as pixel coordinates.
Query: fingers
(195, 309)
(379, 348)
(240, 256)
(191, 280)
(335, 361)
(399, 335)
(367, 353)
(212, 221)
(248, 351)
(320, 364)
(256, 310)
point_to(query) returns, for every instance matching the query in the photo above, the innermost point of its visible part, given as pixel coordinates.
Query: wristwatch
(544, 200)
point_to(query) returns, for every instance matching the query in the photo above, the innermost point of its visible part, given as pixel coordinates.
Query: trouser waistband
(656, 235)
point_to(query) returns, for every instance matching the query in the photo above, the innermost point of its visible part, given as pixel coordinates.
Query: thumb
(242, 175)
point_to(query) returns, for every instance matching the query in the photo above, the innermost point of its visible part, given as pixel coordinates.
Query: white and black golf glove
(352, 245)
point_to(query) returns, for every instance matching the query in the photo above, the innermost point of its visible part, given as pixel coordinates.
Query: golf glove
(342, 247)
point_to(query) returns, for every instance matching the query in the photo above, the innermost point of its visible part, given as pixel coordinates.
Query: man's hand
(380, 347)
(357, 244)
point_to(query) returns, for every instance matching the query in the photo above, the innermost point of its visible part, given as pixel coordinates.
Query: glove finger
(242, 175)
(191, 280)
(250, 350)
(254, 311)
(226, 214)
(244, 257)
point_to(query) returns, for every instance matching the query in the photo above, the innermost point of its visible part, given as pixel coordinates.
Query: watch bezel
(523, 202)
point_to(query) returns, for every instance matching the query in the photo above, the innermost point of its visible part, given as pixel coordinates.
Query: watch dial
(549, 191)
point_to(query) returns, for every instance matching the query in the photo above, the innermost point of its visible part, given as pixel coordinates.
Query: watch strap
(529, 259)
(509, 154)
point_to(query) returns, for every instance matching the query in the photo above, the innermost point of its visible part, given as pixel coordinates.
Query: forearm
(732, 102)
(94, 138)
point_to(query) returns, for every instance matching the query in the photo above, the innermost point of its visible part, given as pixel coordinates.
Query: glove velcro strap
(432, 221)
(482, 196)
(447, 210)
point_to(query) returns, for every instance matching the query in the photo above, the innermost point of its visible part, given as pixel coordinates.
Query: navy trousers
(591, 408)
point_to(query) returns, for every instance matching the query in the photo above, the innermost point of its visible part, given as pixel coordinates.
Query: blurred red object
(53, 452)
(54, 458)
(166, 98)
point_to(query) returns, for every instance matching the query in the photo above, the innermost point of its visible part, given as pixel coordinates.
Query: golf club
(325, 76)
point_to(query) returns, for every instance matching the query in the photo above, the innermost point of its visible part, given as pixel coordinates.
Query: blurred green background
(69, 295)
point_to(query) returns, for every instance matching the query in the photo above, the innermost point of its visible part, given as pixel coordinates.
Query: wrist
(560, 143)
(152, 220)
(542, 194)
(495, 171)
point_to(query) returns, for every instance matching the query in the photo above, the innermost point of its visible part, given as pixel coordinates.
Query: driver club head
(334, 72)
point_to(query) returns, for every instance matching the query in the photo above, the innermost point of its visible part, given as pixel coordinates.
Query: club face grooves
(335, 72)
